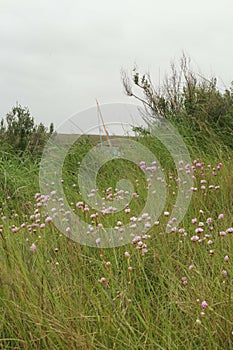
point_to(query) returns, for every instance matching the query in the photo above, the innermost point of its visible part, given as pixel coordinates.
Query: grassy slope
(52, 298)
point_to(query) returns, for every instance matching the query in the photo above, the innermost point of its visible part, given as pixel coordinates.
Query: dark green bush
(20, 134)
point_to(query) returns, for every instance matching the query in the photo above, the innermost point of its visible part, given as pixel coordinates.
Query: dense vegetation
(193, 103)
(19, 133)
(162, 291)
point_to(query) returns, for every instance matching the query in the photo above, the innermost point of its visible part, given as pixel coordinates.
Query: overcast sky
(56, 57)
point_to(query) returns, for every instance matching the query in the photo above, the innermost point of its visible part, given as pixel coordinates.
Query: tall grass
(57, 294)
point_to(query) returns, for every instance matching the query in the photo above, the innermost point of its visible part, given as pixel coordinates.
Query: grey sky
(58, 56)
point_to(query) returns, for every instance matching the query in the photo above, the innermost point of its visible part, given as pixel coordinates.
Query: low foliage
(161, 291)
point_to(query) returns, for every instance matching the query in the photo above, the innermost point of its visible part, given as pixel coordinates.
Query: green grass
(53, 298)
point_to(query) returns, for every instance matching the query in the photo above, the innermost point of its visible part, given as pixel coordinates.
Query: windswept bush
(193, 103)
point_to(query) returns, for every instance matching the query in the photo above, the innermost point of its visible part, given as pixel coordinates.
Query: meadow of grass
(162, 291)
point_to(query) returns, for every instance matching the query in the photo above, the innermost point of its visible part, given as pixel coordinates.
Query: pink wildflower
(33, 248)
(204, 304)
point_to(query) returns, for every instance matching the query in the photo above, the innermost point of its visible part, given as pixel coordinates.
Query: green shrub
(193, 103)
(20, 134)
